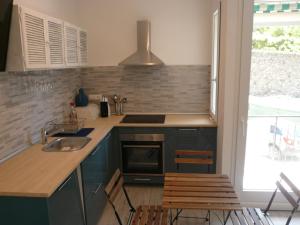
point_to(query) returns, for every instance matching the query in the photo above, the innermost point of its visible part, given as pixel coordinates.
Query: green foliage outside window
(277, 38)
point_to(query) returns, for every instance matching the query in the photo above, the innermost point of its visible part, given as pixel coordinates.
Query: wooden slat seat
(256, 216)
(150, 215)
(143, 215)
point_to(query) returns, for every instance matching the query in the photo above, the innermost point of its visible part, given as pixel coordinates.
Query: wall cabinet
(38, 41)
(62, 208)
(55, 42)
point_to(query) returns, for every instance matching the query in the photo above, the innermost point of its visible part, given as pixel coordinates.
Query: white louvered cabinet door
(71, 45)
(55, 42)
(83, 47)
(34, 39)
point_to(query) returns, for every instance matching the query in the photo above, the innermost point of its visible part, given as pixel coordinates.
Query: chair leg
(270, 202)
(227, 217)
(132, 209)
(171, 216)
(291, 216)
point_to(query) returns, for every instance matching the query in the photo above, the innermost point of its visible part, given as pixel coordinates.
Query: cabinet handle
(142, 179)
(188, 129)
(141, 146)
(94, 152)
(64, 184)
(108, 136)
(97, 189)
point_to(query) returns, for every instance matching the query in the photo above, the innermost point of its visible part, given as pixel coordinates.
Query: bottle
(104, 107)
(81, 98)
(73, 113)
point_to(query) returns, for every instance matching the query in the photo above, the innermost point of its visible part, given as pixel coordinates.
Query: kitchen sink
(66, 144)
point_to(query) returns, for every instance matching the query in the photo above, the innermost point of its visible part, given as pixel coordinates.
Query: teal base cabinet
(186, 138)
(62, 208)
(96, 171)
(199, 139)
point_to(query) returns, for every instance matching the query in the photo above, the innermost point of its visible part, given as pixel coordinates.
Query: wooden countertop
(35, 173)
(177, 120)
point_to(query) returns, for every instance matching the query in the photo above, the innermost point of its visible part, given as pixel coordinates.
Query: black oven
(142, 154)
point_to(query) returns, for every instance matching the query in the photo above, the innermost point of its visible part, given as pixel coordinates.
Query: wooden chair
(143, 215)
(194, 157)
(261, 217)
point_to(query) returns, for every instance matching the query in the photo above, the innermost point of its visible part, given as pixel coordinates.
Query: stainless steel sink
(66, 144)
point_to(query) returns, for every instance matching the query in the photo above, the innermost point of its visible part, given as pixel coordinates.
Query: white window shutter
(83, 47)
(71, 45)
(34, 37)
(55, 42)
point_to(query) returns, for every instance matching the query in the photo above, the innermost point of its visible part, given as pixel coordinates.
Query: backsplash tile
(28, 100)
(169, 89)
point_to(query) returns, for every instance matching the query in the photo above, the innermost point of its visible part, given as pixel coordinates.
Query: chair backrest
(194, 157)
(293, 199)
(112, 189)
(197, 157)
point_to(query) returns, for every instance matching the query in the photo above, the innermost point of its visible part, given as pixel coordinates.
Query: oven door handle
(141, 146)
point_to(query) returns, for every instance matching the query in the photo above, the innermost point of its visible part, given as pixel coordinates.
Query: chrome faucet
(44, 133)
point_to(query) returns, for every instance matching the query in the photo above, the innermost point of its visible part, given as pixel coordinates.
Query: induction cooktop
(144, 119)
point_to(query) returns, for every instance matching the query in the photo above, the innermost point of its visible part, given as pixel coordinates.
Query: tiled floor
(141, 195)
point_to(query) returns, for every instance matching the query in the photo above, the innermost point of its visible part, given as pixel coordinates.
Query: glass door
(269, 137)
(142, 157)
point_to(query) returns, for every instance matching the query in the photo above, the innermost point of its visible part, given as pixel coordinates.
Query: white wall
(181, 30)
(230, 54)
(63, 9)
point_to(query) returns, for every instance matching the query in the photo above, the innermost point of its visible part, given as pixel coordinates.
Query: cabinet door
(55, 42)
(169, 150)
(94, 176)
(198, 139)
(113, 153)
(34, 39)
(71, 45)
(64, 206)
(82, 47)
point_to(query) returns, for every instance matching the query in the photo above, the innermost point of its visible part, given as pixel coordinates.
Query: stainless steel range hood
(143, 56)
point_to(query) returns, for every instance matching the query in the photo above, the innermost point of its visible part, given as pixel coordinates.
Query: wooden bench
(256, 216)
(143, 215)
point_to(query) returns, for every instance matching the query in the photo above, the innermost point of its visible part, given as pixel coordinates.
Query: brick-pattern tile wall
(169, 89)
(28, 100)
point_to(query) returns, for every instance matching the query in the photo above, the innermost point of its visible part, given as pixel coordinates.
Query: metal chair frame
(132, 210)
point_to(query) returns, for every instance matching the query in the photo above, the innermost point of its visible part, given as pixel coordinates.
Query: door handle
(243, 122)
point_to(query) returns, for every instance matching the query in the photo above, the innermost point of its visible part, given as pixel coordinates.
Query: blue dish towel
(81, 133)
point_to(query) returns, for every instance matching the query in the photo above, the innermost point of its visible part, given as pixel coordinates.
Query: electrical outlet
(97, 97)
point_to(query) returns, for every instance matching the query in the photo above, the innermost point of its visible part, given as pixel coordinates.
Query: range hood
(143, 56)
